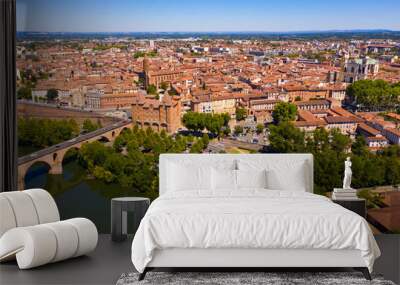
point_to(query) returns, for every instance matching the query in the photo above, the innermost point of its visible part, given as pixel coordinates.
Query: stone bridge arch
(55, 158)
(105, 137)
(23, 169)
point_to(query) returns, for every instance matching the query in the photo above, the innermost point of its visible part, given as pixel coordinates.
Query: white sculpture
(347, 174)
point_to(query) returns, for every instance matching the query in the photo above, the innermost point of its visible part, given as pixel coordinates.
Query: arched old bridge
(53, 156)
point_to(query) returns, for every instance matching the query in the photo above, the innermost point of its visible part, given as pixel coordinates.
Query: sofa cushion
(7, 220)
(23, 208)
(45, 205)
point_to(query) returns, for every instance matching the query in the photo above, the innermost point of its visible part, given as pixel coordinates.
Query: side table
(356, 205)
(119, 210)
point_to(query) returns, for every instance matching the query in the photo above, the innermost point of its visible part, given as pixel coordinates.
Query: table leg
(116, 222)
(124, 223)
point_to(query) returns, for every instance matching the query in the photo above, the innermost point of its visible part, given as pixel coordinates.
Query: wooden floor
(106, 264)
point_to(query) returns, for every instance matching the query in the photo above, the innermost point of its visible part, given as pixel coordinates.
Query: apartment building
(215, 103)
(393, 135)
(373, 137)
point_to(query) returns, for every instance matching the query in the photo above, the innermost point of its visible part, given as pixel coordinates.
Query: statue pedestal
(344, 194)
(343, 190)
(356, 205)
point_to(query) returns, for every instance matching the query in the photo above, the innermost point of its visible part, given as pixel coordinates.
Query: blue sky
(205, 15)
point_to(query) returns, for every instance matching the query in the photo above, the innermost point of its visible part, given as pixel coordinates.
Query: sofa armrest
(41, 244)
(32, 246)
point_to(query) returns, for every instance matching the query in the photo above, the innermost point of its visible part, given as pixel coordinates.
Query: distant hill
(339, 34)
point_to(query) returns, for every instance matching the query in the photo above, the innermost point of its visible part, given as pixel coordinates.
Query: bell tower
(146, 68)
(146, 64)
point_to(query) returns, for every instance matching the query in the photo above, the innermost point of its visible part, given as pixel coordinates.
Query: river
(78, 196)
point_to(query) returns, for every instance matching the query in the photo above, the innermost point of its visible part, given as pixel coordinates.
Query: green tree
(88, 126)
(152, 89)
(197, 147)
(102, 174)
(374, 94)
(139, 54)
(319, 142)
(119, 143)
(259, 128)
(194, 121)
(132, 145)
(339, 142)
(226, 118)
(152, 53)
(284, 112)
(24, 93)
(238, 130)
(214, 123)
(328, 169)
(286, 138)
(115, 163)
(359, 146)
(164, 85)
(241, 114)
(226, 131)
(52, 94)
(44, 132)
(206, 140)
(95, 153)
(391, 156)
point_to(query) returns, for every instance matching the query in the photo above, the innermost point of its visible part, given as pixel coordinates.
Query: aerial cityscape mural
(97, 106)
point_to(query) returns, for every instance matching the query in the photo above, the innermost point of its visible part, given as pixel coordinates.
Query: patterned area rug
(243, 278)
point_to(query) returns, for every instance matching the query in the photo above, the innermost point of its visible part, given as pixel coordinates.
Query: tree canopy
(241, 114)
(88, 126)
(214, 123)
(285, 137)
(238, 130)
(284, 112)
(152, 89)
(259, 128)
(52, 94)
(44, 132)
(139, 54)
(24, 93)
(133, 159)
(374, 94)
(164, 85)
(330, 149)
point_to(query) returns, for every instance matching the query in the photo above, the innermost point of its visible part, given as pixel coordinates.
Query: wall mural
(95, 111)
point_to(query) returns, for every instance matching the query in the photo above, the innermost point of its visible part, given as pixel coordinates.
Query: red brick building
(156, 77)
(160, 115)
(114, 101)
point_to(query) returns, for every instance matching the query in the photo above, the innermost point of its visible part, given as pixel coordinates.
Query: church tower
(146, 68)
(146, 64)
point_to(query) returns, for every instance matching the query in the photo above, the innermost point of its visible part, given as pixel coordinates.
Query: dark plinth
(119, 209)
(356, 205)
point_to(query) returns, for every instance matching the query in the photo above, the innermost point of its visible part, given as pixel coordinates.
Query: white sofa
(31, 231)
